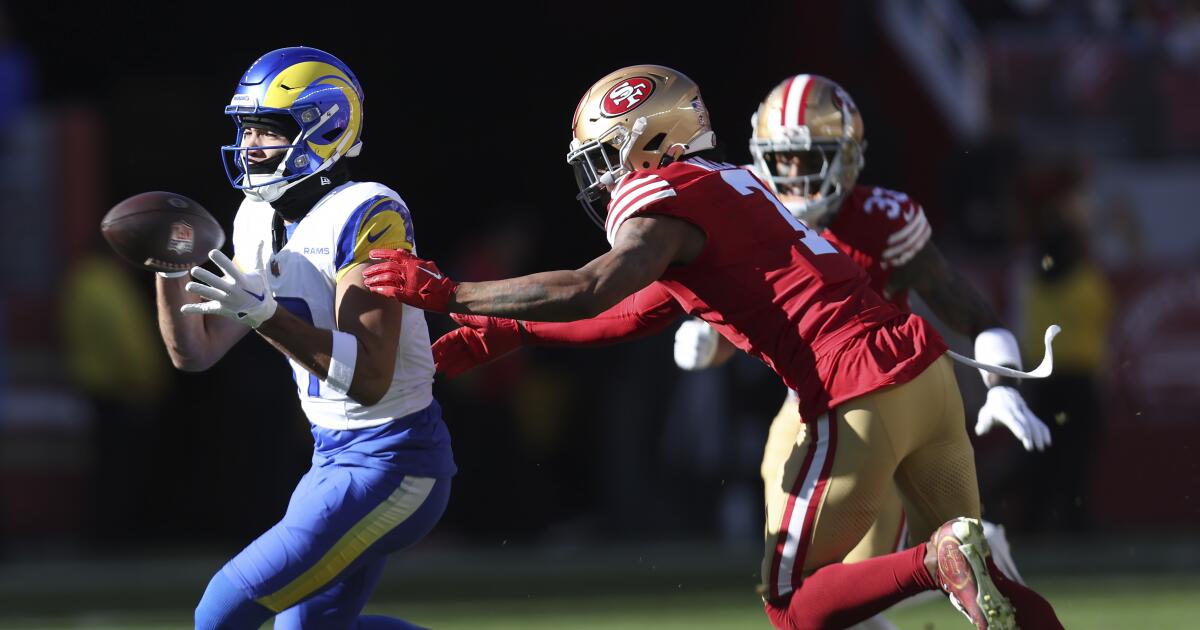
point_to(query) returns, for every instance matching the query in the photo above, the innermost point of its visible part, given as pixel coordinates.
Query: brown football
(162, 231)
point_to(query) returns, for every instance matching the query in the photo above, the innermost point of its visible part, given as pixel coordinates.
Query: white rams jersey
(334, 237)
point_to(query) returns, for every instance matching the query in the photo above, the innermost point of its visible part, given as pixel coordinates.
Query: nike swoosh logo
(371, 238)
(435, 275)
(258, 296)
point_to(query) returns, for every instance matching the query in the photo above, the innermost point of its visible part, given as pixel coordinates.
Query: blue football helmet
(318, 92)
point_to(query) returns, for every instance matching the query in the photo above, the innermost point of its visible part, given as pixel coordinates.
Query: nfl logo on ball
(182, 238)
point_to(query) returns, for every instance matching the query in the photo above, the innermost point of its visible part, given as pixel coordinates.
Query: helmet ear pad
(673, 153)
(332, 118)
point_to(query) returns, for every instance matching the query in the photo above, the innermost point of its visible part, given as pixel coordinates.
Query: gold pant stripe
(384, 518)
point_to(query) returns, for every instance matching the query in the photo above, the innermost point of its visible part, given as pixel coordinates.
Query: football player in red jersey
(876, 392)
(808, 146)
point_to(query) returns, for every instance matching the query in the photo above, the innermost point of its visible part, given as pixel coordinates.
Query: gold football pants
(840, 487)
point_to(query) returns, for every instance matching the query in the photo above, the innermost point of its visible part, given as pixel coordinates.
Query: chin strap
(609, 178)
(639, 127)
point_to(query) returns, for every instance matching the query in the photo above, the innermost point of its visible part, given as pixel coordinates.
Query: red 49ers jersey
(775, 288)
(881, 230)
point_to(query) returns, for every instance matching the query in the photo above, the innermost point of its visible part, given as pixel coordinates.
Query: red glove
(480, 340)
(414, 281)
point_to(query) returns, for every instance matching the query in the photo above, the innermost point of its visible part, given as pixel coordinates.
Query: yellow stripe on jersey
(394, 510)
(379, 223)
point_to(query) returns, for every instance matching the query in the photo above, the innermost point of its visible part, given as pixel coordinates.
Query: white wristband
(341, 362)
(997, 346)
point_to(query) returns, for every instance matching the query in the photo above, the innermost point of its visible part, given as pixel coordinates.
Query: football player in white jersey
(382, 461)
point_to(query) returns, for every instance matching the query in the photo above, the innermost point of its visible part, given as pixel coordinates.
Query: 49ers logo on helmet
(626, 96)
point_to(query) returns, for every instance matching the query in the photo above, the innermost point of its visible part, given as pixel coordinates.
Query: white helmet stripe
(793, 100)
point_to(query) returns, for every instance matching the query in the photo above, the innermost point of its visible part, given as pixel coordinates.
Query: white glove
(1005, 405)
(238, 295)
(998, 542)
(695, 345)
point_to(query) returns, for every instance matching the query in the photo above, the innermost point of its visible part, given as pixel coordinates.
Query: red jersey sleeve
(642, 314)
(907, 228)
(634, 192)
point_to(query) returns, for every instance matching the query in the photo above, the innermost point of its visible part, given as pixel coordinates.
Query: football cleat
(962, 553)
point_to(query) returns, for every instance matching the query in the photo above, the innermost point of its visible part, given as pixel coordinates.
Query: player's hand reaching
(411, 280)
(480, 339)
(1005, 405)
(239, 295)
(696, 345)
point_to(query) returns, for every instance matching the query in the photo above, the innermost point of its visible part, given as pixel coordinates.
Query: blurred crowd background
(1055, 147)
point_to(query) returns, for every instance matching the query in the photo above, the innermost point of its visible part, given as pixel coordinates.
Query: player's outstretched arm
(483, 339)
(949, 294)
(642, 251)
(193, 343)
(957, 303)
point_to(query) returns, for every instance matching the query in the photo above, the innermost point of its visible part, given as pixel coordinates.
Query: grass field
(1098, 602)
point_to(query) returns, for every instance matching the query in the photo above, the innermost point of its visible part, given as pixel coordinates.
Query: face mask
(796, 207)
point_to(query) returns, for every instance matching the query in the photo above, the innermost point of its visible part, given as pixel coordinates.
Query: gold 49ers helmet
(637, 118)
(808, 145)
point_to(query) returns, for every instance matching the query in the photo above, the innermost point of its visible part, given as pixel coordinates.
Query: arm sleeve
(642, 314)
